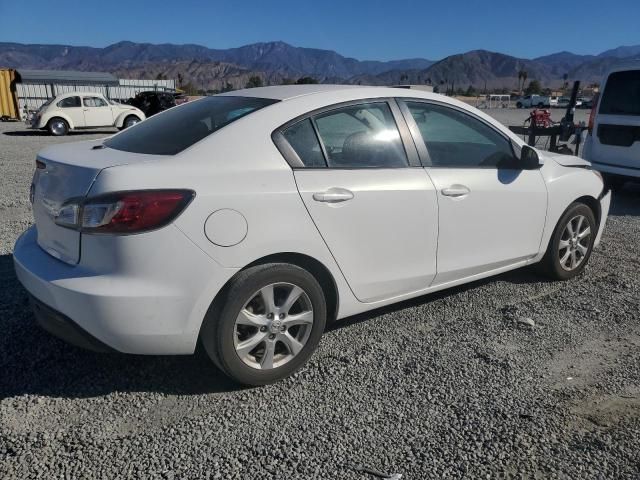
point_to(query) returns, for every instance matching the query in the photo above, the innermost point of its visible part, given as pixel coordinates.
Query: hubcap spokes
(273, 326)
(574, 243)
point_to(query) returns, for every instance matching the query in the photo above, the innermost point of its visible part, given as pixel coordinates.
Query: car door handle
(456, 191)
(333, 195)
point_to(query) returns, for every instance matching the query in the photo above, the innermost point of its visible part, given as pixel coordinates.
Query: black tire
(518, 105)
(130, 121)
(540, 105)
(550, 265)
(58, 127)
(219, 328)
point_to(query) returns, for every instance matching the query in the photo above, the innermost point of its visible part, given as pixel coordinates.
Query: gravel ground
(452, 385)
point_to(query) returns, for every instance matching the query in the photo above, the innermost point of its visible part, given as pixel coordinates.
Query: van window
(176, 129)
(621, 94)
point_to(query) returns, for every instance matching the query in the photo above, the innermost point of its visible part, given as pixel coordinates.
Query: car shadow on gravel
(525, 275)
(626, 200)
(32, 362)
(44, 133)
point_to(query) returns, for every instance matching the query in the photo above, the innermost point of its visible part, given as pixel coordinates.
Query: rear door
(374, 206)
(616, 132)
(492, 212)
(97, 112)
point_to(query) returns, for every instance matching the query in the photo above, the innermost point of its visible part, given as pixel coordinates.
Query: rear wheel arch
(316, 268)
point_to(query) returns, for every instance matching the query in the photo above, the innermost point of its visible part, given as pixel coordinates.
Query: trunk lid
(69, 172)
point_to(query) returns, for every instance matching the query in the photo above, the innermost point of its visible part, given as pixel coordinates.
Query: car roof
(288, 92)
(77, 94)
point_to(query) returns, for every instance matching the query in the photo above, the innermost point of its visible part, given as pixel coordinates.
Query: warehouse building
(23, 91)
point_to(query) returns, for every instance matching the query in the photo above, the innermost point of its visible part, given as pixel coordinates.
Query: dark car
(153, 102)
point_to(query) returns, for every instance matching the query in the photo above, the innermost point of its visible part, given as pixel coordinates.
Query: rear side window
(69, 102)
(303, 140)
(178, 128)
(94, 102)
(361, 136)
(621, 94)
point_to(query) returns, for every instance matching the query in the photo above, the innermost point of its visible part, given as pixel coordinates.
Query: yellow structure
(8, 100)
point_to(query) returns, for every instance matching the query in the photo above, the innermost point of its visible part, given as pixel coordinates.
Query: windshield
(176, 129)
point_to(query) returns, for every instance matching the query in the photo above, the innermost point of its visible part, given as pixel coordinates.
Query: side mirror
(529, 159)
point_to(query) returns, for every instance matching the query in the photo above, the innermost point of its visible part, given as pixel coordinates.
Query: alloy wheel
(574, 243)
(273, 326)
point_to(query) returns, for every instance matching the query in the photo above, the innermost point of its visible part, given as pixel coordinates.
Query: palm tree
(565, 77)
(522, 78)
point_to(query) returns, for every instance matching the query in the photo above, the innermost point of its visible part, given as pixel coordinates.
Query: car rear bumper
(153, 308)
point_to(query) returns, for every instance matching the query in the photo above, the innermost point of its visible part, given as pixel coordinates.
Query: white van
(613, 142)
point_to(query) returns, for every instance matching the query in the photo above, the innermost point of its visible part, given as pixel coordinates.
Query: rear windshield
(179, 128)
(622, 94)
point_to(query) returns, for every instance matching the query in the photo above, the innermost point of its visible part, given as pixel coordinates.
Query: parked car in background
(81, 110)
(239, 220)
(612, 144)
(152, 102)
(553, 101)
(563, 102)
(530, 101)
(585, 102)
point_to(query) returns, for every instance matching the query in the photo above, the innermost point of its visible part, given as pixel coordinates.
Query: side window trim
(316, 132)
(294, 160)
(419, 141)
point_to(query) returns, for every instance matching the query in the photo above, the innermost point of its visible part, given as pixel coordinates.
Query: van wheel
(269, 323)
(58, 127)
(571, 243)
(518, 105)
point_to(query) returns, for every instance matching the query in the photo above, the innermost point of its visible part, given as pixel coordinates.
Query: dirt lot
(452, 385)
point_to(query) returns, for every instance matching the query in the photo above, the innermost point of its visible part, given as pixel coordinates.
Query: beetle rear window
(176, 129)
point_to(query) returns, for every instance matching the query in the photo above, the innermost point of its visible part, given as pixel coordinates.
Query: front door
(492, 212)
(97, 112)
(376, 213)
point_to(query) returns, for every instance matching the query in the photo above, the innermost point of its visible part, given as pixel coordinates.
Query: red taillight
(592, 115)
(125, 212)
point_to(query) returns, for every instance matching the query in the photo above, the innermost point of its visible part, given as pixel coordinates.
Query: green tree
(306, 81)
(534, 88)
(227, 87)
(287, 81)
(471, 92)
(254, 81)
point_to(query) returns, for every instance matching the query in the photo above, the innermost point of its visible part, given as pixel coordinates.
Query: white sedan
(80, 110)
(252, 219)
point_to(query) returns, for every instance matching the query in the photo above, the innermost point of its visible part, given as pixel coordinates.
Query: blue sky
(370, 29)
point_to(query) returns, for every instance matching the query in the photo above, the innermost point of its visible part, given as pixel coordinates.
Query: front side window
(361, 136)
(457, 140)
(622, 94)
(94, 102)
(69, 102)
(176, 129)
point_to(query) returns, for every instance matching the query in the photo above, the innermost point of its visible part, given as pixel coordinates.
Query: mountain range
(277, 62)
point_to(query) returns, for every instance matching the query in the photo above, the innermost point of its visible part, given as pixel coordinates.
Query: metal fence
(32, 95)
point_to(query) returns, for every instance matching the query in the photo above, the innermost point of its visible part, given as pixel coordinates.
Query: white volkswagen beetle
(252, 219)
(80, 110)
